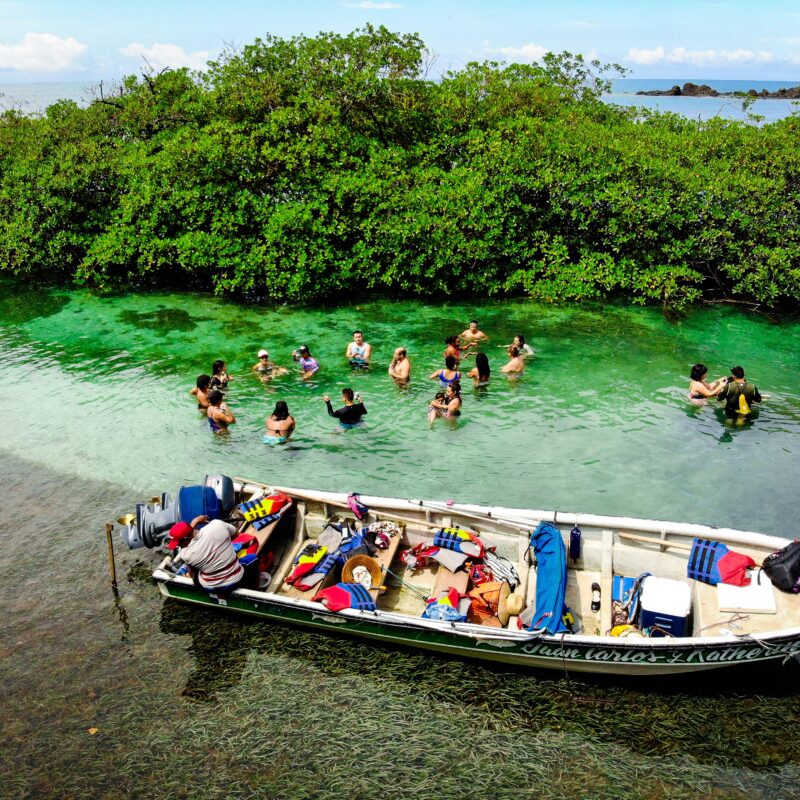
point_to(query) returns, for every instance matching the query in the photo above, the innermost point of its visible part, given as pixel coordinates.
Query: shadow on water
(163, 320)
(740, 716)
(19, 304)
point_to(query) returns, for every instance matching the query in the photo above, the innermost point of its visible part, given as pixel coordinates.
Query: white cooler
(665, 604)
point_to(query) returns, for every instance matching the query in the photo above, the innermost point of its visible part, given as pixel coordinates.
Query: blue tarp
(551, 579)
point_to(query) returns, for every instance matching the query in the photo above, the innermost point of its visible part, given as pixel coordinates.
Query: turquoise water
(598, 422)
(130, 696)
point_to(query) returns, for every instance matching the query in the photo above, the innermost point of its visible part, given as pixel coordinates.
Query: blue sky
(87, 40)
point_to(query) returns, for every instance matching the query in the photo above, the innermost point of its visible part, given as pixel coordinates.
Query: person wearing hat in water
(266, 369)
(208, 552)
(358, 351)
(739, 396)
(308, 365)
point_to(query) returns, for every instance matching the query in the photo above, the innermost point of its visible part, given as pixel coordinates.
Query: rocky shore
(704, 90)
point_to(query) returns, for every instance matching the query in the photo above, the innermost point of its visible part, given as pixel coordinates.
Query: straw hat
(374, 568)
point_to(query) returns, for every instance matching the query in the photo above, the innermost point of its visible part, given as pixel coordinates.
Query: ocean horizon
(34, 98)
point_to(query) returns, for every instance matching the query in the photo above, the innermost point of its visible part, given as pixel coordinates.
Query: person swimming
(308, 365)
(525, 350)
(700, 389)
(280, 424)
(472, 336)
(219, 376)
(358, 351)
(481, 372)
(516, 363)
(351, 412)
(200, 391)
(266, 369)
(447, 375)
(218, 413)
(400, 368)
(448, 406)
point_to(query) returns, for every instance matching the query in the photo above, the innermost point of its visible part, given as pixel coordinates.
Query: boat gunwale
(478, 632)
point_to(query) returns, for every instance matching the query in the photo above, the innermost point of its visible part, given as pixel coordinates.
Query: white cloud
(42, 52)
(698, 58)
(160, 56)
(525, 53)
(369, 5)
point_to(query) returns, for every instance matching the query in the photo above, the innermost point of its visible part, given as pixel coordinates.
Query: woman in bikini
(700, 389)
(218, 413)
(219, 375)
(449, 407)
(447, 375)
(279, 424)
(481, 372)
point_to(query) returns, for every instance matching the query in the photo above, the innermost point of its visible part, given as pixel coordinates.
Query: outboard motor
(214, 498)
(223, 489)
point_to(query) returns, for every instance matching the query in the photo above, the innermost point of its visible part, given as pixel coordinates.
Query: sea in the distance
(33, 98)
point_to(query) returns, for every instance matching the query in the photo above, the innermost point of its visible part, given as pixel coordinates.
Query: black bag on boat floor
(783, 567)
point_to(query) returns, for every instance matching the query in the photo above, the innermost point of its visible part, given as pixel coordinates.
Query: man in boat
(351, 412)
(739, 396)
(472, 336)
(208, 552)
(358, 351)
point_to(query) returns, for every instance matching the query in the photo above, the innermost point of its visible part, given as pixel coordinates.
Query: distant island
(704, 90)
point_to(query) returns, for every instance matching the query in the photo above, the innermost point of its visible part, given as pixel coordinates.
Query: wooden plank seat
(383, 557)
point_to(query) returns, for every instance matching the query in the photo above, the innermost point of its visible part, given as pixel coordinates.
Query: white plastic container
(666, 606)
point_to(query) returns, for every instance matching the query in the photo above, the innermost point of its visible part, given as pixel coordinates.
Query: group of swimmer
(209, 390)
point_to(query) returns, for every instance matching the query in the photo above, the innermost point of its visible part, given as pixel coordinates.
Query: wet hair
(737, 372)
(303, 349)
(281, 411)
(513, 352)
(698, 370)
(450, 362)
(217, 366)
(400, 352)
(453, 340)
(521, 338)
(455, 387)
(473, 322)
(202, 382)
(482, 365)
(439, 396)
(347, 393)
(215, 397)
(355, 332)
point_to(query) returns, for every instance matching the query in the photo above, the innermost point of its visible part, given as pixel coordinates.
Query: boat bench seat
(383, 557)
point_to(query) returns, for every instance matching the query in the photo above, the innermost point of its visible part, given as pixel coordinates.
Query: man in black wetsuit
(351, 412)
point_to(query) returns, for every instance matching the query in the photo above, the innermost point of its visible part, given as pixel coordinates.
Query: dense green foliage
(316, 167)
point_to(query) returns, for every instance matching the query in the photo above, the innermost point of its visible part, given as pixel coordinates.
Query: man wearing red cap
(209, 552)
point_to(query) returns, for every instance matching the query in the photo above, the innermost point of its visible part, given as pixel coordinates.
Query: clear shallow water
(98, 388)
(98, 417)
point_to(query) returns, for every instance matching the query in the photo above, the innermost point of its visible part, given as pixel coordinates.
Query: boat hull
(572, 653)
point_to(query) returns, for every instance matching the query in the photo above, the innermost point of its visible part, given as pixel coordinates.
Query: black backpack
(783, 567)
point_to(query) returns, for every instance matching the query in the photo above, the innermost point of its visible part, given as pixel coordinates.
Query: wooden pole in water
(112, 567)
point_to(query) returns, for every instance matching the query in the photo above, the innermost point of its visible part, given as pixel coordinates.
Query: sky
(89, 40)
